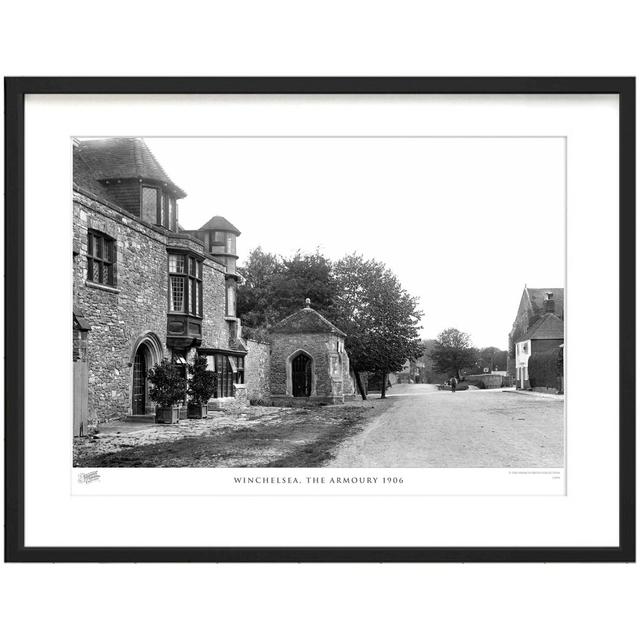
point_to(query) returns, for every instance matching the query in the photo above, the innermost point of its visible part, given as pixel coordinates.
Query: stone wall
(316, 345)
(118, 315)
(215, 329)
(349, 384)
(257, 365)
(136, 305)
(238, 402)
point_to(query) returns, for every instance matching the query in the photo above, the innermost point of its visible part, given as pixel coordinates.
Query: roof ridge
(153, 157)
(317, 314)
(539, 322)
(219, 223)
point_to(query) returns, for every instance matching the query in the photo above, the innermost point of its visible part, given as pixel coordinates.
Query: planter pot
(197, 411)
(167, 415)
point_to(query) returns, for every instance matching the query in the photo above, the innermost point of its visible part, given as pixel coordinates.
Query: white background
(364, 38)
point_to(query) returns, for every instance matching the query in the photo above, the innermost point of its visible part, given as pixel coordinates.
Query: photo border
(15, 91)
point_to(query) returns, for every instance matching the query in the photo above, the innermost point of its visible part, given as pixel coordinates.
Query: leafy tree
(304, 276)
(168, 384)
(255, 300)
(274, 287)
(491, 358)
(453, 351)
(362, 297)
(202, 382)
(430, 374)
(380, 318)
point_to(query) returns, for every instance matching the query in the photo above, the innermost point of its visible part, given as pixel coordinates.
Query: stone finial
(308, 303)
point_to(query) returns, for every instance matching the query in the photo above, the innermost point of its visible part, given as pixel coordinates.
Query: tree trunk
(384, 385)
(363, 393)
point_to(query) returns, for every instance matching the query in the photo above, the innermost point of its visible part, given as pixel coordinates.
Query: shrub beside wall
(546, 369)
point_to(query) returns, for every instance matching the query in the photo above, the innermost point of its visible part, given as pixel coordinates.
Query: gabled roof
(549, 327)
(218, 223)
(538, 296)
(306, 320)
(121, 159)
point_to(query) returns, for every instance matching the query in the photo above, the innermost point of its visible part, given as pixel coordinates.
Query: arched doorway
(146, 352)
(301, 375)
(141, 364)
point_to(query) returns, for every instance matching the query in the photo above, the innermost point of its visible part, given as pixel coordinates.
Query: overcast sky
(465, 223)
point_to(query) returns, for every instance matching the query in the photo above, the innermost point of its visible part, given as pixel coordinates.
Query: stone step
(148, 417)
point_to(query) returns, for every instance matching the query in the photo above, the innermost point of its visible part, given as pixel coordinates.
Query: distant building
(412, 372)
(538, 328)
(425, 365)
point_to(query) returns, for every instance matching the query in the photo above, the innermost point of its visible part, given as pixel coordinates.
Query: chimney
(549, 304)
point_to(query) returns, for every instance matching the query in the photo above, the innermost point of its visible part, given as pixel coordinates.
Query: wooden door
(139, 382)
(80, 397)
(301, 375)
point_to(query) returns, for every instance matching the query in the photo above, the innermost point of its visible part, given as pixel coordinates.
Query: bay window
(185, 284)
(230, 370)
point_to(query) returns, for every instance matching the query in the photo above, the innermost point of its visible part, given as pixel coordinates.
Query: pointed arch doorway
(301, 376)
(146, 352)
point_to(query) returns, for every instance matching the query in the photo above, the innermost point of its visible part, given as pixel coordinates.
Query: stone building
(309, 364)
(144, 289)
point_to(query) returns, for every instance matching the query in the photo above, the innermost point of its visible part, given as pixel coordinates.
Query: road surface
(424, 427)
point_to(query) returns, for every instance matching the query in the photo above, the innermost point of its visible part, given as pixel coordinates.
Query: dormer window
(158, 207)
(150, 204)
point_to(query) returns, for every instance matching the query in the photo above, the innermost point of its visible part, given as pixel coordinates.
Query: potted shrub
(201, 387)
(168, 389)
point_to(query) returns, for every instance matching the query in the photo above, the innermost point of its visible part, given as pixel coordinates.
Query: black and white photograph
(346, 302)
(320, 320)
(368, 319)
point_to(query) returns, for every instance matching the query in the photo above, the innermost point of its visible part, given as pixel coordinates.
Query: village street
(424, 427)
(416, 426)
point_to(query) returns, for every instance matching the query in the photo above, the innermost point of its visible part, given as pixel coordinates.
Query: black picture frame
(15, 91)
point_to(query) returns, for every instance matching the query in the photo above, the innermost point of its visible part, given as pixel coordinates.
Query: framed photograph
(320, 319)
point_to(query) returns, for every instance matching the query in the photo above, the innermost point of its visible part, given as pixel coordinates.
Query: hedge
(546, 368)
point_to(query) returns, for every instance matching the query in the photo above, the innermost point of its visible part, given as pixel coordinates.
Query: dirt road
(424, 427)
